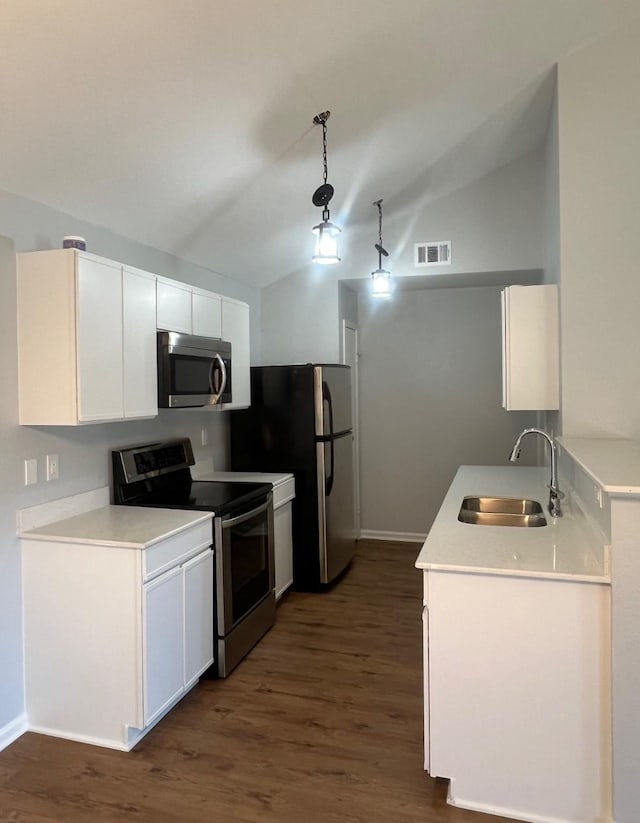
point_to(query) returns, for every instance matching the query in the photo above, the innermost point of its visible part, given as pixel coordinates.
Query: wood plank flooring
(321, 723)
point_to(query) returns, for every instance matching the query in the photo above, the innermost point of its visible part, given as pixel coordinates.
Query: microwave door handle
(217, 361)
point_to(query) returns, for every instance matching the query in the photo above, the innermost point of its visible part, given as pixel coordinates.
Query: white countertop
(247, 477)
(566, 548)
(119, 526)
(613, 463)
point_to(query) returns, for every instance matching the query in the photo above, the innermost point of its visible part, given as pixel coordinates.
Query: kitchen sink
(501, 511)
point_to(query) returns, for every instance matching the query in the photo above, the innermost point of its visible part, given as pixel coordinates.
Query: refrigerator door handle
(326, 396)
(328, 483)
(326, 393)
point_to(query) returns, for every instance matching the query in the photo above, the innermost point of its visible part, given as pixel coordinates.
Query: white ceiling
(187, 124)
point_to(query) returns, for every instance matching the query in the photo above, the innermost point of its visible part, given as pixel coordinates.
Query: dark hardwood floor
(322, 723)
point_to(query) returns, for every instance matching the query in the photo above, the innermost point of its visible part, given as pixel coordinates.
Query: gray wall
(495, 224)
(430, 400)
(600, 223)
(83, 450)
(33, 226)
(551, 421)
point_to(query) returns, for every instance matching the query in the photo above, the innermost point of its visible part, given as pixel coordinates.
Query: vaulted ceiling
(187, 124)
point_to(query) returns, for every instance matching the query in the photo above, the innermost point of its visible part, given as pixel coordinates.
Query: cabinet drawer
(176, 549)
(284, 492)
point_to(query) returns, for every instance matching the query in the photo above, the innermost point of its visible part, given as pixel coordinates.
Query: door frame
(347, 324)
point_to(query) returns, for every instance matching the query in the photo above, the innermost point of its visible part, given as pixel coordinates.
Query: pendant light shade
(381, 283)
(327, 238)
(380, 278)
(327, 233)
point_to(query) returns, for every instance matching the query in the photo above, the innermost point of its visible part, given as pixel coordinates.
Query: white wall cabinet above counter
(530, 348)
(87, 337)
(189, 310)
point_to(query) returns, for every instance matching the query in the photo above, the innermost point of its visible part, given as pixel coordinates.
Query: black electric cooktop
(205, 495)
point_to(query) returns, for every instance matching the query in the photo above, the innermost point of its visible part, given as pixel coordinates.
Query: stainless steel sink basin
(501, 511)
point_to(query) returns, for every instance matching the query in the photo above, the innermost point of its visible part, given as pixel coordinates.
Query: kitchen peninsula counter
(127, 527)
(568, 547)
(517, 655)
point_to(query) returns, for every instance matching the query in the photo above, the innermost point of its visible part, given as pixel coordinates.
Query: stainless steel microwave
(192, 370)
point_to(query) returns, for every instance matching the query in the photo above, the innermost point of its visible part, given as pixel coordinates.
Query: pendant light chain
(378, 203)
(324, 149)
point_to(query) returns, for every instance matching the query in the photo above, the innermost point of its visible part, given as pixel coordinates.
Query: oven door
(244, 565)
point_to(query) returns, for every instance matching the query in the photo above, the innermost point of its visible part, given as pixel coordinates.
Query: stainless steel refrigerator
(300, 421)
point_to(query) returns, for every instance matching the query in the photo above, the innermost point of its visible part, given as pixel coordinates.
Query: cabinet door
(530, 348)
(235, 329)
(99, 340)
(283, 548)
(206, 312)
(425, 686)
(163, 654)
(173, 307)
(198, 616)
(139, 335)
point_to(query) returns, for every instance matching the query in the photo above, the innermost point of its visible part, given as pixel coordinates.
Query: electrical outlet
(53, 467)
(30, 472)
(204, 437)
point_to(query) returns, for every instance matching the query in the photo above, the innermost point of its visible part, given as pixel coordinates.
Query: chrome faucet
(555, 495)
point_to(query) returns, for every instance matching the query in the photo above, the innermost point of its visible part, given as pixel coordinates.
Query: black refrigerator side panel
(276, 434)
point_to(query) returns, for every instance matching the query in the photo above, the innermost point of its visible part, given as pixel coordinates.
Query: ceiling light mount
(326, 232)
(380, 278)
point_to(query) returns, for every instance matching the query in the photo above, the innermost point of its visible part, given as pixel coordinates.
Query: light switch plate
(53, 467)
(30, 471)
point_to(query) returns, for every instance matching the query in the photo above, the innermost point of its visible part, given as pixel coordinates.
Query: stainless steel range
(158, 475)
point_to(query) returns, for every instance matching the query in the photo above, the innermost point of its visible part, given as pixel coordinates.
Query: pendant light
(326, 232)
(380, 278)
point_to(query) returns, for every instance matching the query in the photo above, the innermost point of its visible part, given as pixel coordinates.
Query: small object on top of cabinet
(530, 348)
(73, 241)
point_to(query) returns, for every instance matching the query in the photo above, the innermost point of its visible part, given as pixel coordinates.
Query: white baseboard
(85, 738)
(13, 730)
(395, 537)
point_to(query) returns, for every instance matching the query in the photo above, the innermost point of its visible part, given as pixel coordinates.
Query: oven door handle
(233, 521)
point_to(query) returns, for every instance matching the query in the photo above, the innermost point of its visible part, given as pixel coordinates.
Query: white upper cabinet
(206, 313)
(173, 306)
(99, 341)
(86, 328)
(187, 309)
(235, 330)
(87, 349)
(530, 348)
(139, 334)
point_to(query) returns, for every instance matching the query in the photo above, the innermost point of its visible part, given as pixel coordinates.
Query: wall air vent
(433, 253)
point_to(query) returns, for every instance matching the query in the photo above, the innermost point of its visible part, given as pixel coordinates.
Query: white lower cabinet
(163, 664)
(114, 636)
(198, 604)
(517, 694)
(283, 494)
